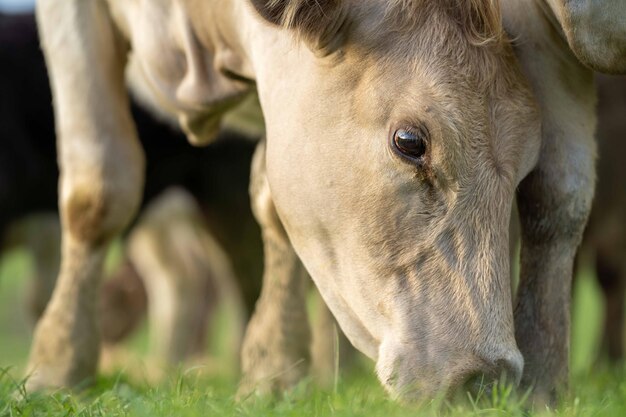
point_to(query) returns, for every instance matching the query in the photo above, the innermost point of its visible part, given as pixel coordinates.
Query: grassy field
(597, 389)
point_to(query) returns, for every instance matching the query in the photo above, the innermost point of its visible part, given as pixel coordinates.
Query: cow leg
(185, 273)
(102, 170)
(553, 212)
(554, 203)
(123, 304)
(331, 351)
(275, 352)
(40, 235)
(44, 245)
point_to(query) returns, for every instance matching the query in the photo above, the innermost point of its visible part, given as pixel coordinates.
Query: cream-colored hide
(397, 134)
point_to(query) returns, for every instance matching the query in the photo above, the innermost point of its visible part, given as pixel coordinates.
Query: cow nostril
(479, 384)
(506, 370)
(510, 369)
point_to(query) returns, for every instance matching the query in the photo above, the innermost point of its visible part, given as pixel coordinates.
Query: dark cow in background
(217, 176)
(29, 173)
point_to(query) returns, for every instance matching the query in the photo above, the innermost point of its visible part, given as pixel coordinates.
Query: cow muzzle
(414, 373)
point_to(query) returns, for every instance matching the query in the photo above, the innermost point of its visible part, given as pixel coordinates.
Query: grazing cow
(397, 134)
(412, 266)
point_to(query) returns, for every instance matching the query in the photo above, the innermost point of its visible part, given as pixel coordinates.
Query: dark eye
(411, 142)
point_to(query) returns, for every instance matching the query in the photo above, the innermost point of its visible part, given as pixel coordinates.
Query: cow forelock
(479, 20)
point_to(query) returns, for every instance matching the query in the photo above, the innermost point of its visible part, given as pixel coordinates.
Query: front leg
(331, 351)
(275, 352)
(554, 204)
(553, 218)
(101, 166)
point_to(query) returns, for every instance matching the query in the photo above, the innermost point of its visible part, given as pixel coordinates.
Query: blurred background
(212, 197)
(16, 6)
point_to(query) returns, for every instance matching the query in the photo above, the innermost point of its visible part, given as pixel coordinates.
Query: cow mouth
(202, 126)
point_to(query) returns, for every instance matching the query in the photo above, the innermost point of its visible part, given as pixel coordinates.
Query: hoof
(271, 381)
(49, 379)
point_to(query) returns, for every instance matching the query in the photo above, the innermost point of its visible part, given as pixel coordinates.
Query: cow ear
(318, 22)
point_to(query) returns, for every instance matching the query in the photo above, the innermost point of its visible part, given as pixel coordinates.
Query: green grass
(600, 394)
(596, 390)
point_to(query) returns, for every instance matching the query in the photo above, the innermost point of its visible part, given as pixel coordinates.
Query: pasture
(129, 389)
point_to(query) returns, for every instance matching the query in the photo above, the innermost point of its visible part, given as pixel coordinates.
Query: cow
(397, 135)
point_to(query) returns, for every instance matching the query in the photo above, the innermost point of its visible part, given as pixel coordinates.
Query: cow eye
(411, 142)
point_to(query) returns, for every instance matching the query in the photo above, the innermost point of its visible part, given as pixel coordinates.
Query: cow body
(397, 135)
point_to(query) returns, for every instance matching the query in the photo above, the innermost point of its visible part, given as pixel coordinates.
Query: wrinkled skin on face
(411, 256)
(409, 250)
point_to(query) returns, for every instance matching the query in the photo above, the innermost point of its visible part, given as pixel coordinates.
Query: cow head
(397, 133)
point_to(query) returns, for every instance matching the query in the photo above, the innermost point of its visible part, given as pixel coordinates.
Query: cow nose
(511, 367)
(508, 368)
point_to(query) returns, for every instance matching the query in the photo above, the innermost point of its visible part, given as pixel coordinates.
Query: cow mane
(480, 20)
(307, 15)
